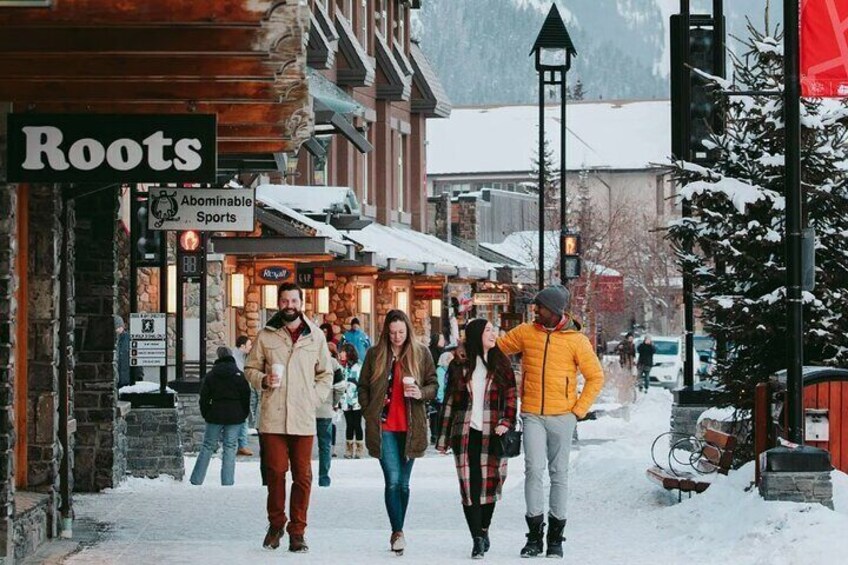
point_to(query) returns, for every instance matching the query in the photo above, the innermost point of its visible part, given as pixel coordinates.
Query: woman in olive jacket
(395, 416)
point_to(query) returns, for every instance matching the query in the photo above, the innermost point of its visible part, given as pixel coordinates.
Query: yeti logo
(164, 208)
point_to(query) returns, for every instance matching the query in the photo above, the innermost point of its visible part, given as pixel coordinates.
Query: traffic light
(190, 242)
(145, 243)
(191, 258)
(695, 102)
(570, 248)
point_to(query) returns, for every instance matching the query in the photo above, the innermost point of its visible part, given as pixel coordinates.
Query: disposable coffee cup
(277, 374)
(408, 382)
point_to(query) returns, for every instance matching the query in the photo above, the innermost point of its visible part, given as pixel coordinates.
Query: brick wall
(95, 380)
(8, 309)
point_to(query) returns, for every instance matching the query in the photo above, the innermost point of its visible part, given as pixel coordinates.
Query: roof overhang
(243, 60)
(397, 85)
(307, 247)
(428, 95)
(359, 70)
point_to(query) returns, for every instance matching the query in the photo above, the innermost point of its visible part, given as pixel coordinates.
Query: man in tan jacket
(291, 394)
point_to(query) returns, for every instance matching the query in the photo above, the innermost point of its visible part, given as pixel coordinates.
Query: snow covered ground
(616, 516)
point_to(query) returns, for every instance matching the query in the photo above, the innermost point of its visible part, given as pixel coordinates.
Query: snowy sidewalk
(616, 516)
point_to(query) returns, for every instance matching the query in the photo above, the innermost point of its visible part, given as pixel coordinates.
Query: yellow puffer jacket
(551, 359)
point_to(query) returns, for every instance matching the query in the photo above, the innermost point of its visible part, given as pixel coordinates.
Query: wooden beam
(227, 147)
(98, 12)
(140, 66)
(231, 90)
(224, 39)
(229, 113)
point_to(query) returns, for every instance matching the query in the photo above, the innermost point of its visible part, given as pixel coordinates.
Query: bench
(700, 458)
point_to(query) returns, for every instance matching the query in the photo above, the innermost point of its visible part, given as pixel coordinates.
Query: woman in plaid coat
(479, 405)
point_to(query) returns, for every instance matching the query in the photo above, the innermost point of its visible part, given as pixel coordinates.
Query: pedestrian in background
(479, 407)
(225, 405)
(291, 366)
(330, 336)
(397, 379)
(357, 338)
(646, 351)
(243, 346)
(351, 367)
(554, 351)
(627, 353)
(325, 428)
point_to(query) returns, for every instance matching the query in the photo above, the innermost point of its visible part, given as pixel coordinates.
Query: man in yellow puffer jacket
(553, 352)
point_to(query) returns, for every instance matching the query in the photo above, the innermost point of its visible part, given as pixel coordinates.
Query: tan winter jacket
(308, 378)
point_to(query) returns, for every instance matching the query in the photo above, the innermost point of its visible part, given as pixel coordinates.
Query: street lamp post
(553, 50)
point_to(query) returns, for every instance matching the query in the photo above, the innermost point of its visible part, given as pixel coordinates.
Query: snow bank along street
(615, 514)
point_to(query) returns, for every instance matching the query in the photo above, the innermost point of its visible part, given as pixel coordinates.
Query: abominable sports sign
(201, 209)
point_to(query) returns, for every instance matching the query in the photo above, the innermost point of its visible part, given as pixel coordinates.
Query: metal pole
(562, 189)
(180, 365)
(163, 303)
(64, 346)
(541, 275)
(794, 308)
(202, 305)
(686, 209)
(134, 198)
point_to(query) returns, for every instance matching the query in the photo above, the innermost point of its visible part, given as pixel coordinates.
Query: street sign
(273, 272)
(201, 209)
(112, 148)
(148, 339)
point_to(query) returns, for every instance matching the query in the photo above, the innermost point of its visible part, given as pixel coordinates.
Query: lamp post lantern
(553, 51)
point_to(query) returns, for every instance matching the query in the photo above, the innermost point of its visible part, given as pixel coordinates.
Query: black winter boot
(555, 538)
(535, 536)
(486, 543)
(478, 550)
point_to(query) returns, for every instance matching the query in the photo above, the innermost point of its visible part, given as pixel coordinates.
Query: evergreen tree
(738, 232)
(551, 183)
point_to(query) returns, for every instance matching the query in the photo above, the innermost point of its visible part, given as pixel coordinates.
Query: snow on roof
(609, 135)
(312, 199)
(270, 196)
(410, 245)
(523, 246)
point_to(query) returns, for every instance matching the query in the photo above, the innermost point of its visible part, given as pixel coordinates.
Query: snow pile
(142, 387)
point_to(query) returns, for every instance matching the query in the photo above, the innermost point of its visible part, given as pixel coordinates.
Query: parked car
(668, 361)
(705, 351)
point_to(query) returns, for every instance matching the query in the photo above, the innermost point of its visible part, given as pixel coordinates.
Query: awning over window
(398, 84)
(336, 108)
(428, 96)
(360, 68)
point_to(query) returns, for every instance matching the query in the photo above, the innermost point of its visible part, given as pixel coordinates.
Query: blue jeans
(210, 444)
(397, 469)
(325, 449)
(242, 437)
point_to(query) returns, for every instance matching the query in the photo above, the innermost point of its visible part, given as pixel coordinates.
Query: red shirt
(297, 332)
(396, 418)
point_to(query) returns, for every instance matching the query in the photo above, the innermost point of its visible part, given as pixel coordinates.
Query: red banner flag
(824, 48)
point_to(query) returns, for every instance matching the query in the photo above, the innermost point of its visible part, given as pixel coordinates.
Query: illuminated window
(269, 297)
(323, 301)
(402, 299)
(236, 290)
(365, 300)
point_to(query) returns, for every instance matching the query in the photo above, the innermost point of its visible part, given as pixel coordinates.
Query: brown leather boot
(359, 450)
(297, 544)
(349, 449)
(272, 538)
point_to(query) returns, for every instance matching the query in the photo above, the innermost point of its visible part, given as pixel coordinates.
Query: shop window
(366, 171)
(269, 297)
(322, 300)
(401, 186)
(401, 299)
(236, 290)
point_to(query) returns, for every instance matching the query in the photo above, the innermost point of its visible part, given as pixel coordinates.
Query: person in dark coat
(479, 406)
(124, 378)
(225, 405)
(646, 352)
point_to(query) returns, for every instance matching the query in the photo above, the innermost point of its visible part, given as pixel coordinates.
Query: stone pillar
(192, 424)
(382, 303)
(442, 221)
(797, 475)
(45, 248)
(420, 316)
(247, 318)
(467, 221)
(8, 313)
(342, 302)
(154, 448)
(95, 408)
(216, 314)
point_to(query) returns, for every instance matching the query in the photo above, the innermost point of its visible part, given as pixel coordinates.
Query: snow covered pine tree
(737, 226)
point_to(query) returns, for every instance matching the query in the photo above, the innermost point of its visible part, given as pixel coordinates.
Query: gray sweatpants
(547, 440)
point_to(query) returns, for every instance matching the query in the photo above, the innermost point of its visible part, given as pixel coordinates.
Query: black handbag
(510, 443)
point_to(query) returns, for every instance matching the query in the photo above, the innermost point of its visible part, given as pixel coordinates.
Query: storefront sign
(201, 209)
(428, 292)
(490, 298)
(112, 148)
(273, 272)
(310, 277)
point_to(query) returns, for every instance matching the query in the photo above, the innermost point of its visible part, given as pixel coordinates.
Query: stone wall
(420, 315)
(8, 312)
(153, 443)
(216, 310)
(247, 318)
(382, 304)
(192, 424)
(32, 523)
(121, 442)
(684, 418)
(797, 487)
(466, 220)
(95, 407)
(45, 248)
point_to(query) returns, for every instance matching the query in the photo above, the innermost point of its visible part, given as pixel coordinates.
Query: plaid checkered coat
(499, 408)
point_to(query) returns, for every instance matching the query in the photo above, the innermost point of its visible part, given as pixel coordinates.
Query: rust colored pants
(279, 453)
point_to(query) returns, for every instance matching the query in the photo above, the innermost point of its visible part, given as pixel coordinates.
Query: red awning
(824, 48)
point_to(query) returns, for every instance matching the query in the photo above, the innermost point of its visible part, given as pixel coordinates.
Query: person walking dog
(397, 379)
(479, 407)
(553, 351)
(291, 366)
